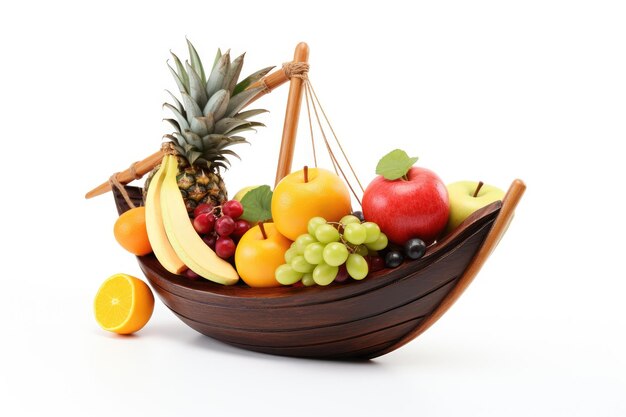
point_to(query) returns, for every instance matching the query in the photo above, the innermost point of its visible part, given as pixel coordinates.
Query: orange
(130, 231)
(123, 304)
(297, 199)
(258, 256)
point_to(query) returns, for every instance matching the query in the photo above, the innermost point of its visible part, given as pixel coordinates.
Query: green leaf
(179, 82)
(195, 62)
(244, 115)
(182, 74)
(257, 204)
(192, 156)
(180, 139)
(233, 74)
(218, 165)
(193, 139)
(251, 79)
(242, 129)
(196, 87)
(234, 142)
(174, 124)
(240, 101)
(395, 165)
(227, 124)
(191, 107)
(178, 149)
(218, 55)
(180, 117)
(217, 76)
(212, 143)
(217, 105)
(177, 103)
(199, 126)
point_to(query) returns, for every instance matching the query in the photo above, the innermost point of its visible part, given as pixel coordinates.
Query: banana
(184, 239)
(154, 223)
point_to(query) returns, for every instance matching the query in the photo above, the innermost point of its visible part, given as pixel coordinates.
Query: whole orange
(296, 200)
(258, 256)
(131, 233)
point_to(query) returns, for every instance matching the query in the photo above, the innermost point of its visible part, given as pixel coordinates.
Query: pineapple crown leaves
(208, 115)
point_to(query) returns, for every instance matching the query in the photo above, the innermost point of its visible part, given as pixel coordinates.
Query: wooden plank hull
(353, 320)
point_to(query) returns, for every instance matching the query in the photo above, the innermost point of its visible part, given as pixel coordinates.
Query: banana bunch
(174, 241)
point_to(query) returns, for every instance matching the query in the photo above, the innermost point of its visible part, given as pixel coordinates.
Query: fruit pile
(302, 233)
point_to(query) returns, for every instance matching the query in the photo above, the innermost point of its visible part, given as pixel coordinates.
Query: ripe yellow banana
(154, 223)
(186, 242)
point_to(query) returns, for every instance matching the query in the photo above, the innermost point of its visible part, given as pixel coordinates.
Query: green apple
(468, 196)
(243, 192)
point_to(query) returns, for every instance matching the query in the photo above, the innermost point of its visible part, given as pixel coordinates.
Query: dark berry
(393, 259)
(359, 215)
(376, 263)
(342, 274)
(414, 248)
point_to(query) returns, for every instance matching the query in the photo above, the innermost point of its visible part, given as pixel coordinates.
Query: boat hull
(352, 320)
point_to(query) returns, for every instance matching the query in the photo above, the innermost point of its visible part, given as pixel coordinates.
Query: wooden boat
(353, 320)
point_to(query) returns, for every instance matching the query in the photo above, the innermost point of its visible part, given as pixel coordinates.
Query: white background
(487, 90)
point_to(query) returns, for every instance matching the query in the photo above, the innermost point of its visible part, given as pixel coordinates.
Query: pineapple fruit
(207, 121)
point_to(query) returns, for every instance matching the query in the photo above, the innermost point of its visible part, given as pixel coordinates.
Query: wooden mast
(292, 114)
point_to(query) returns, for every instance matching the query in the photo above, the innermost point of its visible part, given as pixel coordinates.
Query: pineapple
(207, 122)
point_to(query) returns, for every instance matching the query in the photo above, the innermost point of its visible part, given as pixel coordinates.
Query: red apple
(414, 205)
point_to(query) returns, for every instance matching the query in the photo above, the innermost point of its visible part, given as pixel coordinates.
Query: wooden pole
(141, 168)
(292, 114)
(271, 82)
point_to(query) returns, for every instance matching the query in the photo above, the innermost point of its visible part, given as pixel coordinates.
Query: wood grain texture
(141, 168)
(292, 115)
(354, 320)
(509, 203)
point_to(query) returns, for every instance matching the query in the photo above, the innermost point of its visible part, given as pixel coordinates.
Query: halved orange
(123, 304)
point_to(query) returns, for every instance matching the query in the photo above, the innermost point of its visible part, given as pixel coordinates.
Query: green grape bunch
(317, 256)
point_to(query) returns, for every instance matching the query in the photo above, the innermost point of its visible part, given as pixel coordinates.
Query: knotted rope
(296, 69)
(291, 70)
(167, 148)
(117, 184)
